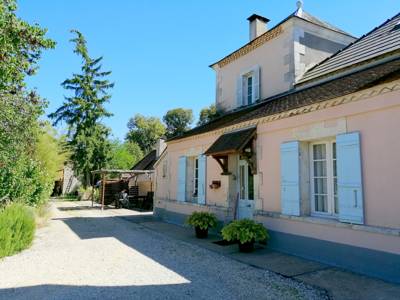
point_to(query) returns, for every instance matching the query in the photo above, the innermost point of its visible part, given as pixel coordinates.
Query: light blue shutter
(239, 91)
(181, 192)
(256, 83)
(202, 179)
(349, 178)
(290, 188)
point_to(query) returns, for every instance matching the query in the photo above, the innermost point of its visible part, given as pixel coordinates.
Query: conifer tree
(83, 112)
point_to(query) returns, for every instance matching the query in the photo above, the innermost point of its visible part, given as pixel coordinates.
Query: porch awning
(232, 142)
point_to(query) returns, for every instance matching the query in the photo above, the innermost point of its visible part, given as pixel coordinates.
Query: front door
(246, 191)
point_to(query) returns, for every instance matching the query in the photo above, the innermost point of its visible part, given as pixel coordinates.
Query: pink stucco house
(308, 144)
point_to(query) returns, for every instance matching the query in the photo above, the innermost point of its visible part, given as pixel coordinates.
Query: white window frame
(244, 164)
(330, 179)
(245, 88)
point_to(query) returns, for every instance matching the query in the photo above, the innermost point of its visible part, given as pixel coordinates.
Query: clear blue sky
(159, 50)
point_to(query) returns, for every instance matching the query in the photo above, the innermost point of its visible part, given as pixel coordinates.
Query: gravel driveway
(84, 253)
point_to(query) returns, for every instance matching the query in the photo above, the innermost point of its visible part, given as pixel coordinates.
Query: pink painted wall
(168, 185)
(376, 118)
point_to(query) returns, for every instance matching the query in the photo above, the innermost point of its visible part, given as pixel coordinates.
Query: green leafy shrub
(244, 231)
(202, 220)
(25, 179)
(17, 229)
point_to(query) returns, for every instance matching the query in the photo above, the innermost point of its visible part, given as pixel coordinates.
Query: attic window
(396, 27)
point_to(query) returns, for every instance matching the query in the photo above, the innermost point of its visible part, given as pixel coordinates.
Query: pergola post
(103, 183)
(92, 189)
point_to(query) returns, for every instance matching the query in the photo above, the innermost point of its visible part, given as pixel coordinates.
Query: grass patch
(66, 198)
(17, 229)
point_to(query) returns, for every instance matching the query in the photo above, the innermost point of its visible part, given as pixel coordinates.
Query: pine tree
(84, 111)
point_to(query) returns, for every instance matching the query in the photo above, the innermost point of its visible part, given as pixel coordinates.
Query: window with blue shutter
(290, 177)
(202, 179)
(349, 177)
(248, 87)
(181, 191)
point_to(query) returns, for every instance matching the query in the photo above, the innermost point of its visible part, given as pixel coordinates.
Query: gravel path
(88, 254)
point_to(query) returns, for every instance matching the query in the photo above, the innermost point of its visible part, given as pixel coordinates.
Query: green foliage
(203, 220)
(124, 155)
(21, 45)
(83, 112)
(145, 131)
(17, 229)
(134, 150)
(22, 176)
(178, 121)
(208, 114)
(51, 151)
(244, 231)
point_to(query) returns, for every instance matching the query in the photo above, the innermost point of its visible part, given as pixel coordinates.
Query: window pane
(321, 203)
(320, 186)
(334, 150)
(320, 169)
(319, 151)
(242, 182)
(196, 178)
(250, 184)
(249, 89)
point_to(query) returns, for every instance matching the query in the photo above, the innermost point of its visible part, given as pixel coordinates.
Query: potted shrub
(246, 232)
(201, 221)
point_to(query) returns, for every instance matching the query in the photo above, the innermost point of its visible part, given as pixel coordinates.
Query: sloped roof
(337, 87)
(380, 41)
(147, 162)
(231, 142)
(312, 19)
(299, 13)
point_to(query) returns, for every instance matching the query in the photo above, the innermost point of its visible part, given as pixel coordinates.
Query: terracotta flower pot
(201, 233)
(246, 247)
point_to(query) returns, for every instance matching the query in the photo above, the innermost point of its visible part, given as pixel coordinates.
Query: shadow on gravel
(96, 292)
(201, 276)
(72, 208)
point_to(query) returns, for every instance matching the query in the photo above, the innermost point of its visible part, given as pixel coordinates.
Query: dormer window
(248, 87)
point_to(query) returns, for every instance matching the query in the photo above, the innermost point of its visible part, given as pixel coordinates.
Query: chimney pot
(257, 26)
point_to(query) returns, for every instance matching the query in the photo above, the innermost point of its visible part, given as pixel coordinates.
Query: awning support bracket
(223, 163)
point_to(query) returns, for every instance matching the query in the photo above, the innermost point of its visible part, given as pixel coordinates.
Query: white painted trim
(330, 181)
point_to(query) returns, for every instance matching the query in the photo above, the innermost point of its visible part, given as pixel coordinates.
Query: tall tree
(21, 44)
(145, 131)
(208, 114)
(178, 121)
(84, 111)
(124, 155)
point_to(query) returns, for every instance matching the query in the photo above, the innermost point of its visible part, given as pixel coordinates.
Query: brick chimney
(257, 26)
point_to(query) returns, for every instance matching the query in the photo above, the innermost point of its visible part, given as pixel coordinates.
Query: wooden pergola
(104, 172)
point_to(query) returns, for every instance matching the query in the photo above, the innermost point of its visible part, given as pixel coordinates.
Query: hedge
(17, 229)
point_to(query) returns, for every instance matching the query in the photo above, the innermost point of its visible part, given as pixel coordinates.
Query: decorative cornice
(261, 40)
(354, 97)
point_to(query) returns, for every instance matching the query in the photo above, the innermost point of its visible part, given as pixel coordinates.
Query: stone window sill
(332, 223)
